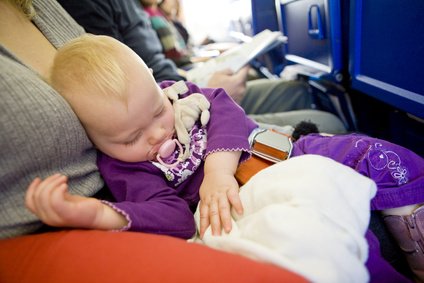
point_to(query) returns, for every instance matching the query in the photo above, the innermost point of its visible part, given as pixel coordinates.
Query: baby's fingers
(234, 199)
(215, 217)
(58, 208)
(42, 192)
(53, 210)
(204, 218)
(39, 194)
(225, 214)
(29, 201)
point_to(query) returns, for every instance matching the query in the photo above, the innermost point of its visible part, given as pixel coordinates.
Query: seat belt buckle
(272, 145)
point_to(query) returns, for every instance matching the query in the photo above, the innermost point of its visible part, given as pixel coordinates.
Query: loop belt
(268, 147)
(271, 145)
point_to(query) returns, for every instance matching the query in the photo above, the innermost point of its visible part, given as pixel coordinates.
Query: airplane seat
(368, 53)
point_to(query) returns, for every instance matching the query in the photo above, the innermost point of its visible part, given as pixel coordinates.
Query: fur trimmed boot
(409, 234)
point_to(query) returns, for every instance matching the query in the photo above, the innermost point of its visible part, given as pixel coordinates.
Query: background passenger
(127, 22)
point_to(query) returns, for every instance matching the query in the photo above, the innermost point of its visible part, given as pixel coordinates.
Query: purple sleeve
(143, 195)
(229, 127)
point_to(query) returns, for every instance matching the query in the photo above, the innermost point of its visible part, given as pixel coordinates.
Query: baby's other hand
(50, 201)
(218, 193)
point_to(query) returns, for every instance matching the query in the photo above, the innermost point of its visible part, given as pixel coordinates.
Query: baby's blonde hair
(25, 6)
(89, 64)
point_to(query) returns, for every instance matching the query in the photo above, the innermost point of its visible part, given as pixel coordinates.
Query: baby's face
(133, 131)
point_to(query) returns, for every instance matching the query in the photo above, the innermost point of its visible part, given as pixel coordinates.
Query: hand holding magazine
(237, 57)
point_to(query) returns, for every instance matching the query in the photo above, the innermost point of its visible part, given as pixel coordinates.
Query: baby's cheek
(146, 153)
(169, 123)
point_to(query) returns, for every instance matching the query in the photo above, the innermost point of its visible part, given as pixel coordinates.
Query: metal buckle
(272, 145)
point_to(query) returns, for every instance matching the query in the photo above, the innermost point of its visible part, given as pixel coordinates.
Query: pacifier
(166, 150)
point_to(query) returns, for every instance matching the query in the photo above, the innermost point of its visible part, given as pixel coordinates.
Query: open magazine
(237, 57)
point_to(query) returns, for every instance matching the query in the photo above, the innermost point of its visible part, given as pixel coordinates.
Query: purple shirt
(154, 204)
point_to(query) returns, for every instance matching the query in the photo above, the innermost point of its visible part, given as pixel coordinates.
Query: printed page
(236, 57)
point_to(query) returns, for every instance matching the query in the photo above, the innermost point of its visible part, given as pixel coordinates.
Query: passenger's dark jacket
(127, 22)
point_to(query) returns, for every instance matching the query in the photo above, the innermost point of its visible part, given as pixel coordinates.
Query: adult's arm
(127, 22)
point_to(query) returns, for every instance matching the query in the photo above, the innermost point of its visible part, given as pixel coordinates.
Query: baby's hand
(51, 202)
(218, 193)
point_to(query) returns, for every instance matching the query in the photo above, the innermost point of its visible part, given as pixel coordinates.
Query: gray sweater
(40, 135)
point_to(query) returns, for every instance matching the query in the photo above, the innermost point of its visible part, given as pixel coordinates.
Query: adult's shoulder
(55, 23)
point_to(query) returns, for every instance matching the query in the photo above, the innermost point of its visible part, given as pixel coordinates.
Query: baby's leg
(404, 210)
(406, 224)
(399, 175)
(400, 195)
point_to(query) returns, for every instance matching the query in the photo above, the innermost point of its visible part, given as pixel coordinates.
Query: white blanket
(308, 214)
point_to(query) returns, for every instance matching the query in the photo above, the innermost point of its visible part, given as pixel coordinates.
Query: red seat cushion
(77, 256)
